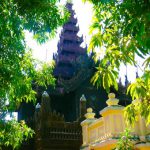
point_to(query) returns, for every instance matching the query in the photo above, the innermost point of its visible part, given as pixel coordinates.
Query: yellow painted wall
(98, 133)
(108, 147)
(144, 146)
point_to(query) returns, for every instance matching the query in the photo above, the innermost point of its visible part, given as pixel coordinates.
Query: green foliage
(44, 75)
(20, 88)
(47, 14)
(18, 71)
(13, 133)
(105, 75)
(125, 143)
(20, 82)
(140, 90)
(17, 67)
(141, 87)
(120, 31)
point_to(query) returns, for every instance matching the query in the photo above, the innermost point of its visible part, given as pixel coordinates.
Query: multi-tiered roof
(69, 49)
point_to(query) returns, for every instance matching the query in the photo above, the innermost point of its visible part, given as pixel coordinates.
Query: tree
(121, 31)
(13, 133)
(125, 143)
(17, 66)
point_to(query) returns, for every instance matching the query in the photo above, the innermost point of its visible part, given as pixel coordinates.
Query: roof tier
(69, 49)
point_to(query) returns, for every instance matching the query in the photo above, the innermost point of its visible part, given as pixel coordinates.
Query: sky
(45, 51)
(83, 12)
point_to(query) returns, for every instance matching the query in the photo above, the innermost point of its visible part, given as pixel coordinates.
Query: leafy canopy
(14, 133)
(121, 30)
(17, 67)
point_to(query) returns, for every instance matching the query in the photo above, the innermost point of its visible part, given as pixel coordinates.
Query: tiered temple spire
(69, 48)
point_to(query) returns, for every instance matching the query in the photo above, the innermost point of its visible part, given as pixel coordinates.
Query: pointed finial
(112, 100)
(85, 42)
(38, 106)
(45, 94)
(137, 74)
(82, 98)
(89, 114)
(126, 80)
(46, 103)
(126, 77)
(120, 81)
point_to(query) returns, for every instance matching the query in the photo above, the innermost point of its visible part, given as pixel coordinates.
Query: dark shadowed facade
(73, 71)
(74, 68)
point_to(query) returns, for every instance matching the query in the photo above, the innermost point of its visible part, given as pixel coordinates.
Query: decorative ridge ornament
(45, 104)
(45, 94)
(112, 100)
(38, 106)
(89, 114)
(82, 98)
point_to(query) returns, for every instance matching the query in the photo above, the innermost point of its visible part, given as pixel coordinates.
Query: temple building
(57, 116)
(69, 49)
(74, 70)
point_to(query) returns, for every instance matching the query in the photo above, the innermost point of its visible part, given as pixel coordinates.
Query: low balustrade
(102, 133)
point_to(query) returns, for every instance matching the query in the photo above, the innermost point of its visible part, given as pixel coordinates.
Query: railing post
(113, 116)
(89, 119)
